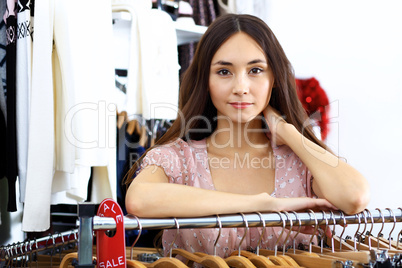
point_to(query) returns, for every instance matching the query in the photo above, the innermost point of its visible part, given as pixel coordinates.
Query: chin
(244, 118)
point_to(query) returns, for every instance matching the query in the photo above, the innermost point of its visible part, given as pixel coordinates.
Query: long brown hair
(196, 110)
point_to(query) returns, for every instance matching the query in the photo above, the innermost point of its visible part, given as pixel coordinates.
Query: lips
(240, 105)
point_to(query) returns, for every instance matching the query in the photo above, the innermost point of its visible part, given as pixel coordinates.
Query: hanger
(376, 241)
(337, 242)
(398, 246)
(287, 258)
(168, 262)
(390, 249)
(319, 249)
(391, 246)
(311, 259)
(212, 261)
(256, 258)
(143, 134)
(130, 262)
(280, 260)
(310, 244)
(355, 255)
(121, 118)
(238, 260)
(298, 231)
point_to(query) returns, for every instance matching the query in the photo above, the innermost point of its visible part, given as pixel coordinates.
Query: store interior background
(354, 49)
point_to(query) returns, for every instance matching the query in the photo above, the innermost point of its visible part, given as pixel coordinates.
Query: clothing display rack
(89, 223)
(24, 253)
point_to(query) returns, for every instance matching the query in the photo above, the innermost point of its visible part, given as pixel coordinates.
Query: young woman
(241, 143)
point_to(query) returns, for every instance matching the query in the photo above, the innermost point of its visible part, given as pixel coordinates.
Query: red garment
(315, 102)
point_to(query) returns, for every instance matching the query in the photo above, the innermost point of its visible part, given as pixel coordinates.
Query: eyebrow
(222, 62)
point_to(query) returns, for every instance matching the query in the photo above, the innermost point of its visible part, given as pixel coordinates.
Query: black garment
(12, 169)
(2, 145)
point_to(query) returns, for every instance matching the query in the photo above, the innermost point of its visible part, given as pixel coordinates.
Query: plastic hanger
(212, 261)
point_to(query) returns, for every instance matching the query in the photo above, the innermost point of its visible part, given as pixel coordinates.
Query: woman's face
(240, 80)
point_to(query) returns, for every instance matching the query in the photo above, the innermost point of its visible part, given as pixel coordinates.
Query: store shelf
(187, 33)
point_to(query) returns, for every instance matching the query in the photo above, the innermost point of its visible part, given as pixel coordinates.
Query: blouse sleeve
(174, 158)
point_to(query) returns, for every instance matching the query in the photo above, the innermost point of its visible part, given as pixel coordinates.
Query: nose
(241, 85)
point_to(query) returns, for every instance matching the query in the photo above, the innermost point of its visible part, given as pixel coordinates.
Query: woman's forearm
(334, 179)
(159, 200)
(175, 200)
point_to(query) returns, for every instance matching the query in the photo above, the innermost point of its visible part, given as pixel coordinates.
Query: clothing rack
(22, 252)
(233, 220)
(253, 219)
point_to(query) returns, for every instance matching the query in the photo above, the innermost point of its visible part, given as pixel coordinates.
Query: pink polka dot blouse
(187, 163)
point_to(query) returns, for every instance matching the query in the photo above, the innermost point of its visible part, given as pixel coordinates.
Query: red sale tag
(111, 249)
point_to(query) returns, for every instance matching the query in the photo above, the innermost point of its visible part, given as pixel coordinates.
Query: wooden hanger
(281, 260)
(311, 259)
(257, 259)
(376, 242)
(168, 262)
(121, 119)
(203, 259)
(238, 260)
(354, 255)
(143, 135)
(388, 243)
(337, 243)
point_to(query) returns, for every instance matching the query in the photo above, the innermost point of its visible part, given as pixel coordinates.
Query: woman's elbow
(358, 201)
(135, 201)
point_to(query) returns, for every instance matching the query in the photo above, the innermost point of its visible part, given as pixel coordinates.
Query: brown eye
(255, 70)
(223, 72)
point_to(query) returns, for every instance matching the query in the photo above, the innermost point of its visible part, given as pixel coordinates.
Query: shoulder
(177, 148)
(175, 157)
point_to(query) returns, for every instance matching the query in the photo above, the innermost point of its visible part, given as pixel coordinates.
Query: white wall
(354, 49)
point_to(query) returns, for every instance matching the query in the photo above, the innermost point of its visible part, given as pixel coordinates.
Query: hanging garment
(23, 86)
(12, 168)
(3, 137)
(159, 66)
(152, 70)
(76, 64)
(315, 102)
(3, 43)
(36, 215)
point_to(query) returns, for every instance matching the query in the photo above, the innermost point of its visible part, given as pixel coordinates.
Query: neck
(239, 136)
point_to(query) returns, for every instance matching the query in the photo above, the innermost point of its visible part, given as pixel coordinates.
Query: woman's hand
(302, 204)
(275, 124)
